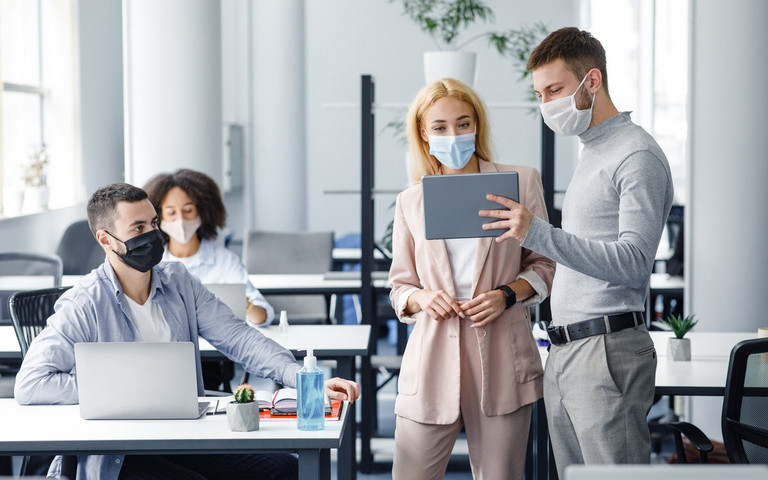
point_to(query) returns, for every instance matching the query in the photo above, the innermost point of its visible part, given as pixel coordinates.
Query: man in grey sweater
(600, 375)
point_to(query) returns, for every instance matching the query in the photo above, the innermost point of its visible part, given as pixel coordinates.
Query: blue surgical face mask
(453, 151)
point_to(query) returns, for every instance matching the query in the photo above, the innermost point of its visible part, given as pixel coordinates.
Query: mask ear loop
(113, 250)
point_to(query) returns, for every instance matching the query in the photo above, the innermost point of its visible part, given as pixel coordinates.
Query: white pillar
(173, 105)
(277, 174)
(100, 52)
(728, 214)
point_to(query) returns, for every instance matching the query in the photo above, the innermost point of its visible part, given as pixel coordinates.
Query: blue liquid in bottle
(310, 387)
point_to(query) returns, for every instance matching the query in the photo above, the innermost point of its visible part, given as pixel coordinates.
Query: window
(646, 44)
(38, 123)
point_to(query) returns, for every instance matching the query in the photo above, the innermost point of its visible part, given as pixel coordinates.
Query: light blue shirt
(215, 264)
(95, 310)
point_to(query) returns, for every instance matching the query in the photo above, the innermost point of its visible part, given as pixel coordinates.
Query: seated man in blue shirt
(133, 298)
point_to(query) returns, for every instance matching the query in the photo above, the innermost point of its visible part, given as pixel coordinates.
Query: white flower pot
(679, 349)
(459, 65)
(35, 199)
(243, 417)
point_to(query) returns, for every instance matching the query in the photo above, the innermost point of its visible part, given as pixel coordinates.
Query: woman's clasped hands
(481, 310)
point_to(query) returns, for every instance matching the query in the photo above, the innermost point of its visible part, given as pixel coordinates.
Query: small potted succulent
(678, 347)
(243, 411)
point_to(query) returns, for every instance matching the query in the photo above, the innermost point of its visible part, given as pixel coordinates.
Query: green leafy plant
(34, 171)
(679, 325)
(244, 393)
(443, 20)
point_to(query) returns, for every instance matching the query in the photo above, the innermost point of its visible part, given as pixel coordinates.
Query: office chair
(43, 271)
(79, 251)
(745, 409)
(292, 253)
(29, 312)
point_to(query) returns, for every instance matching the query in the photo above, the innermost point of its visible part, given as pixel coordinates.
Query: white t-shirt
(150, 321)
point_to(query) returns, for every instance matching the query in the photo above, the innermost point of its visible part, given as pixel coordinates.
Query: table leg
(347, 460)
(315, 464)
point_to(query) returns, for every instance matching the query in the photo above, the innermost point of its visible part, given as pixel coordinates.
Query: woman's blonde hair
(421, 162)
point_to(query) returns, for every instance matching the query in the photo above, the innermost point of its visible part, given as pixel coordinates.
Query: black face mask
(142, 252)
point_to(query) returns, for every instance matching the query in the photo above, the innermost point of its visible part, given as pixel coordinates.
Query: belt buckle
(556, 335)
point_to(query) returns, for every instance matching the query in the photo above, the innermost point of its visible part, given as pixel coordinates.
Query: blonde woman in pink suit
(471, 360)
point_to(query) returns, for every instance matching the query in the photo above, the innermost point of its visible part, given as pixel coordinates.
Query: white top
(215, 264)
(461, 253)
(149, 321)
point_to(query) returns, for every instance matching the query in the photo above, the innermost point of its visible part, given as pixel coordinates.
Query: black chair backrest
(19, 264)
(79, 251)
(745, 406)
(30, 311)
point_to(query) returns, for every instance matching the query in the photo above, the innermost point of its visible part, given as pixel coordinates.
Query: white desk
(49, 429)
(299, 284)
(339, 342)
(707, 371)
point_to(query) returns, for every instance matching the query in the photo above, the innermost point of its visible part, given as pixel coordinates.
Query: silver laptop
(137, 380)
(672, 472)
(451, 203)
(232, 294)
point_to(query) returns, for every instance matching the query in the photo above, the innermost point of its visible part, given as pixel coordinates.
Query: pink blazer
(428, 387)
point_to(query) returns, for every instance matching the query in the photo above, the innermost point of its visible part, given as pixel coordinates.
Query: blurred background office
(264, 97)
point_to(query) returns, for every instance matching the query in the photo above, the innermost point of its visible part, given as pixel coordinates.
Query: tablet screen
(451, 203)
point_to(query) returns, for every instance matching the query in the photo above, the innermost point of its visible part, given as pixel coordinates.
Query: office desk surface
(326, 340)
(704, 374)
(59, 429)
(310, 284)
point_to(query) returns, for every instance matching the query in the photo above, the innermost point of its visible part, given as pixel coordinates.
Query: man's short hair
(580, 51)
(101, 205)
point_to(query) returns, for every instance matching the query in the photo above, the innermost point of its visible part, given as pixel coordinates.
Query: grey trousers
(597, 393)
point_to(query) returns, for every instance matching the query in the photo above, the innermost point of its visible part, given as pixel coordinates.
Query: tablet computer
(451, 203)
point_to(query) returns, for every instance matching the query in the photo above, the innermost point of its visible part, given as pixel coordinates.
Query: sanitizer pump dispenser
(310, 387)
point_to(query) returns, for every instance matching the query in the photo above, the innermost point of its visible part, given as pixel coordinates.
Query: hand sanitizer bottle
(283, 325)
(310, 401)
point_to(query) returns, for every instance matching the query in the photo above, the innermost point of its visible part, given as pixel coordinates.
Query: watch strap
(510, 295)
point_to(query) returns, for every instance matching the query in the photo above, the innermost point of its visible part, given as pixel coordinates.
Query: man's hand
(485, 308)
(517, 219)
(339, 389)
(437, 303)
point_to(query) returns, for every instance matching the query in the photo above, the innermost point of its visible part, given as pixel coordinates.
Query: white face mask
(564, 118)
(181, 230)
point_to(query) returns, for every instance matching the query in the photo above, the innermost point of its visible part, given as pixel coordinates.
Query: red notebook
(333, 415)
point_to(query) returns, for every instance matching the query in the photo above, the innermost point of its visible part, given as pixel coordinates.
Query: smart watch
(510, 294)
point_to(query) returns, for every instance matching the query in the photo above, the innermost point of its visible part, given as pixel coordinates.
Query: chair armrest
(697, 438)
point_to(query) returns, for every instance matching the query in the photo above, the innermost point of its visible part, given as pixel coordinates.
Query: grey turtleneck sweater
(614, 212)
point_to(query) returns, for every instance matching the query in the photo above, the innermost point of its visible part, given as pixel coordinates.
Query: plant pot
(35, 199)
(243, 417)
(679, 349)
(459, 65)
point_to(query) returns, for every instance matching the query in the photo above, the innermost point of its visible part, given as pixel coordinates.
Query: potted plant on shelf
(243, 411)
(443, 20)
(35, 182)
(679, 347)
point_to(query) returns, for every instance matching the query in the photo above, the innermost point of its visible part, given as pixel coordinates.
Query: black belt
(559, 335)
